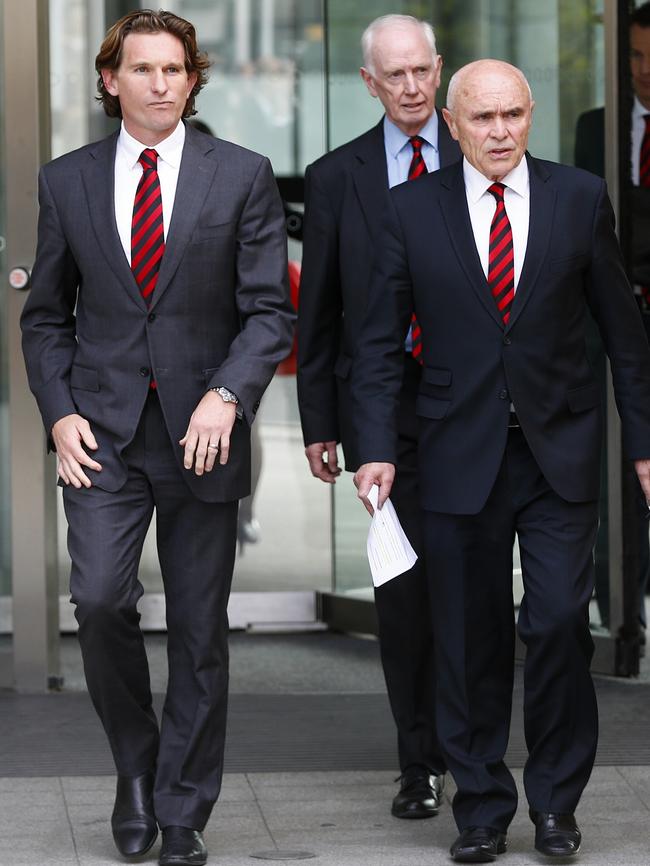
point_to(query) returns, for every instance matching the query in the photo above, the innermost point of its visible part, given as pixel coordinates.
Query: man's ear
(449, 120)
(438, 69)
(369, 81)
(110, 82)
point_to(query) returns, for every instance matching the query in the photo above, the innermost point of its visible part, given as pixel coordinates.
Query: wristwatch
(226, 395)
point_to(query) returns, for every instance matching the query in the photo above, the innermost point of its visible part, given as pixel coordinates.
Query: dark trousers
(196, 549)
(405, 632)
(469, 558)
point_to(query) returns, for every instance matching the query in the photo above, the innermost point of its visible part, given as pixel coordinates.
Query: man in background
(346, 193)
(590, 155)
(158, 312)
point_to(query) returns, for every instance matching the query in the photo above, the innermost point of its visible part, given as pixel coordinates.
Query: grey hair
(457, 77)
(368, 36)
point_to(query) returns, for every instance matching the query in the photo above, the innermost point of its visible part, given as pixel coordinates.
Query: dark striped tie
(644, 159)
(501, 270)
(644, 180)
(417, 168)
(147, 232)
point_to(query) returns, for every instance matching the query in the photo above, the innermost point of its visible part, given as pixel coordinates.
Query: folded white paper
(389, 550)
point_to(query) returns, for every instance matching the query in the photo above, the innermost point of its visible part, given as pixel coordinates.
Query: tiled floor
(341, 818)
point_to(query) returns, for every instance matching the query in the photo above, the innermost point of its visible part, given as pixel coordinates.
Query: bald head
(464, 79)
(489, 112)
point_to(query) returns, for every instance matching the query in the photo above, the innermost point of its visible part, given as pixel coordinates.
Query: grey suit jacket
(220, 313)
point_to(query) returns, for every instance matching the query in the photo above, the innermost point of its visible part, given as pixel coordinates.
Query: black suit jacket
(474, 367)
(589, 148)
(346, 194)
(220, 314)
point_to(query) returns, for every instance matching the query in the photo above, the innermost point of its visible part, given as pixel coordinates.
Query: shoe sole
(479, 857)
(415, 813)
(201, 861)
(558, 855)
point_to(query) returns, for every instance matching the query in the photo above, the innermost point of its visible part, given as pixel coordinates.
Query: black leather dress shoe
(420, 794)
(556, 833)
(478, 845)
(182, 847)
(133, 821)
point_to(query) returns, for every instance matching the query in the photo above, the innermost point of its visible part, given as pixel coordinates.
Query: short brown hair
(148, 21)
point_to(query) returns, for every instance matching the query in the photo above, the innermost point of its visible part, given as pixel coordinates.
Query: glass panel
(266, 84)
(560, 47)
(5, 516)
(266, 92)
(634, 201)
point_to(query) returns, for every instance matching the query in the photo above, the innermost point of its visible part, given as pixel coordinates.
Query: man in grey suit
(346, 194)
(158, 312)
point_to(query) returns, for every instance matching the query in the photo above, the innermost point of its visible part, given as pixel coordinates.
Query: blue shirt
(399, 151)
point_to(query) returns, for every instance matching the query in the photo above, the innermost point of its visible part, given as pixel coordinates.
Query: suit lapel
(99, 182)
(542, 206)
(194, 181)
(453, 203)
(371, 176)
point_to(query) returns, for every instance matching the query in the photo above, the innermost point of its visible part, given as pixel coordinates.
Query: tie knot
(497, 190)
(148, 159)
(416, 143)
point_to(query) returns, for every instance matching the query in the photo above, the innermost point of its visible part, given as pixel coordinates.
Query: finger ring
(216, 447)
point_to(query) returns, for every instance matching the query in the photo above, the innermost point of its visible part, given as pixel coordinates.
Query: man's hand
(643, 473)
(382, 474)
(69, 434)
(208, 433)
(327, 470)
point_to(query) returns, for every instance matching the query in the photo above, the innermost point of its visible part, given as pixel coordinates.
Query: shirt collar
(477, 184)
(638, 111)
(170, 149)
(395, 139)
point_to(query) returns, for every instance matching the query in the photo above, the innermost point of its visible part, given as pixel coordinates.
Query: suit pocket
(567, 264)
(436, 376)
(84, 378)
(342, 367)
(206, 233)
(429, 407)
(583, 398)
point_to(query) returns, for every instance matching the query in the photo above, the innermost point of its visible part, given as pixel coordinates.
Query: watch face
(227, 395)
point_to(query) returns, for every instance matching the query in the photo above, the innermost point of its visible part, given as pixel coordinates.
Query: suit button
(503, 394)
(507, 341)
(145, 371)
(151, 317)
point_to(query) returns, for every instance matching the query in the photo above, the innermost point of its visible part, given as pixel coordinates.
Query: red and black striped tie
(501, 270)
(417, 168)
(147, 231)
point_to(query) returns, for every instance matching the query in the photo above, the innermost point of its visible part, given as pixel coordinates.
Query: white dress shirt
(638, 131)
(128, 172)
(482, 206)
(399, 151)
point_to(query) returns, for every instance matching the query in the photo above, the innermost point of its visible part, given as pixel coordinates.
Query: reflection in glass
(5, 526)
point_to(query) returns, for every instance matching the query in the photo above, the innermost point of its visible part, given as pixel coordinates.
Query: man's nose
(410, 84)
(159, 82)
(498, 128)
